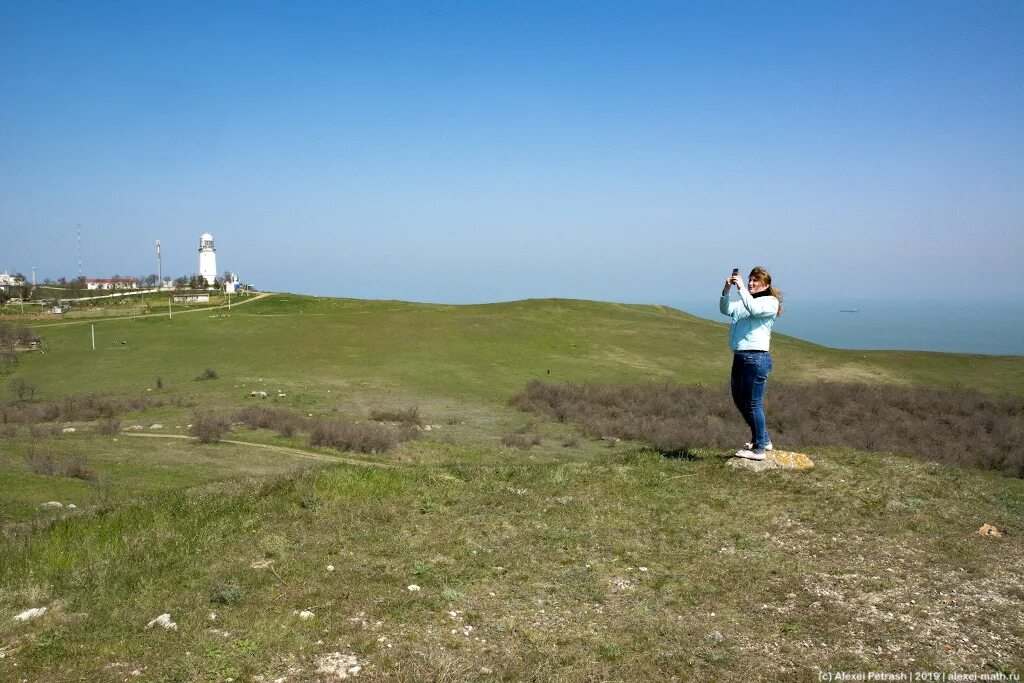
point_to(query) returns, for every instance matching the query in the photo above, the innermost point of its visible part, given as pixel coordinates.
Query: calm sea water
(989, 327)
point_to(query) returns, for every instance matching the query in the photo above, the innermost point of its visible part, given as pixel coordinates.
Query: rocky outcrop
(775, 460)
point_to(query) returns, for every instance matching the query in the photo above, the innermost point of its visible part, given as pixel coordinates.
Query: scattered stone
(427, 428)
(305, 614)
(715, 637)
(68, 430)
(643, 569)
(261, 564)
(989, 530)
(338, 666)
(257, 394)
(212, 616)
(52, 505)
(72, 506)
(31, 614)
(413, 588)
(164, 622)
(156, 426)
(623, 584)
(281, 395)
(133, 428)
(776, 460)
(330, 567)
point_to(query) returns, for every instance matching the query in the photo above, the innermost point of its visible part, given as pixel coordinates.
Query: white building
(207, 258)
(7, 281)
(111, 283)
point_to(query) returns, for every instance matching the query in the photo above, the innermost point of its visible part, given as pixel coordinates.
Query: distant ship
(849, 310)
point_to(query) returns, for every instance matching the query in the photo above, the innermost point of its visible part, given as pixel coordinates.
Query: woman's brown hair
(762, 276)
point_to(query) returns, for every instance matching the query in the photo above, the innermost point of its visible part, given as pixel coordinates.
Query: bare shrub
(41, 463)
(8, 432)
(570, 441)
(109, 427)
(522, 441)
(409, 416)
(285, 422)
(39, 431)
(209, 428)
(78, 467)
(348, 436)
(208, 373)
(960, 427)
(23, 388)
(159, 382)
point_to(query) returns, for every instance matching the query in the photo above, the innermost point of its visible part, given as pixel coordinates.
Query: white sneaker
(749, 446)
(750, 455)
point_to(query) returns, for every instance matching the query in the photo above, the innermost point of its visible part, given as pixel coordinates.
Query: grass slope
(479, 352)
(578, 563)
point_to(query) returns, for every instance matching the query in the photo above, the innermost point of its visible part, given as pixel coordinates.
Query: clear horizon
(469, 153)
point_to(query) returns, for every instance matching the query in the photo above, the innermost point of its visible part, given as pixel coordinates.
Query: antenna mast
(80, 274)
(159, 265)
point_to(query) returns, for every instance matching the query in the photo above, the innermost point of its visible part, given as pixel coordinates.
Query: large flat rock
(776, 460)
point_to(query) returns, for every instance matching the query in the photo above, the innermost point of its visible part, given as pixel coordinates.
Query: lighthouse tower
(207, 258)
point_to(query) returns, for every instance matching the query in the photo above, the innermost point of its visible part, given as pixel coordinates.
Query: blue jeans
(750, 370)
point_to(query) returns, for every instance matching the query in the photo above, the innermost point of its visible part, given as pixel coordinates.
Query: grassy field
(564, 562)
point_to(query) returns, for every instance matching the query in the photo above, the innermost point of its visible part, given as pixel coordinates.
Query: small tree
(23, 387)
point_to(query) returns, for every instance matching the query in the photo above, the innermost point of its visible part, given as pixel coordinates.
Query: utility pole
(169, 314)
(33, 276)
(80, 274)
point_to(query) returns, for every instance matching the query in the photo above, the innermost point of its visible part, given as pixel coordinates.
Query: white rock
(305, 614)
(68, 430)
(133, 428)
(330, 567)
(72, 506)
(156, 426)
(261, 564)
(164, 622)
(52, 505)
(338, 666)
(31, 614)
(414, 588)
(427, 428)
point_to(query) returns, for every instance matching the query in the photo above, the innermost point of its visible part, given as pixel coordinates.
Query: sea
(983, 327)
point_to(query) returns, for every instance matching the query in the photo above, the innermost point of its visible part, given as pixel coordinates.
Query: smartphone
(735, 272)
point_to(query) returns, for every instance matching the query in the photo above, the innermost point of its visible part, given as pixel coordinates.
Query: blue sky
(472, 151)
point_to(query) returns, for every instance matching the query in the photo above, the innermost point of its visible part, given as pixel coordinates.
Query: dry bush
(409, 416)
(41, 463)
(285, 422)
(110, 427)
(78, 467)
(960, 427)
(570, 441)
(8, 432)
(39, 431)
(208, 373)
(80, 408)
(348, 436)
(521, 441)
(209, 428)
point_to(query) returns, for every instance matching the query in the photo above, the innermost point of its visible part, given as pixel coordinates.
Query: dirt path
(279, 449)
(152, 315)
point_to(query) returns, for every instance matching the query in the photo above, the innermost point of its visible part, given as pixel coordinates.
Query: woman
(750, 332)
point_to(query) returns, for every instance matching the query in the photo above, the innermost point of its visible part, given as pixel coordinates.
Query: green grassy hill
(578, 559)
(479, 352)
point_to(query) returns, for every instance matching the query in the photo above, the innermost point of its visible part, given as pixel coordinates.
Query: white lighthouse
(207, 258)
